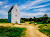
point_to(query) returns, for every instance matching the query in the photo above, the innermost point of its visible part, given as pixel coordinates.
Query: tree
(34, 17)
(45, 17)
(30, 19)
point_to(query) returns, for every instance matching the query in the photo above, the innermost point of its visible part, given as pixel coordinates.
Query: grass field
(45, 28)
(10, 31)
(35, 22)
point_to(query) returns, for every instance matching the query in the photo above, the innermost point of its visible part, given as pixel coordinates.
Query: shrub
(48, 21)
(3, 20)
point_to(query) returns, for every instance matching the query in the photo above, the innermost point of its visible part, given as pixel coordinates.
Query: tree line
(44, 19)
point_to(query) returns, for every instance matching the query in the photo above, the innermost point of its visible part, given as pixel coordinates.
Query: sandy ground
(32, 30)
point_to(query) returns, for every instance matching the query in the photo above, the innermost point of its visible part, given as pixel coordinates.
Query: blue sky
(28, 8)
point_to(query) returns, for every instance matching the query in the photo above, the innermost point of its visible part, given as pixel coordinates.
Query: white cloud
(3, 14)
(1, 3)
(42, 1)
(41, 9)
(33, 4)
(24, 14)
(37, 6)
(6, 6)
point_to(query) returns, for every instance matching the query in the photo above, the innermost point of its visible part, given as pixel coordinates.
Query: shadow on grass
(12, 32)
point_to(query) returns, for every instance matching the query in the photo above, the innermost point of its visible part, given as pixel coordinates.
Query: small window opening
(16, 9)
(15, 15)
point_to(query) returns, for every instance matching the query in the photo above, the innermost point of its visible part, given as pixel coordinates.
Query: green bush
(3, 20)
(48, 21)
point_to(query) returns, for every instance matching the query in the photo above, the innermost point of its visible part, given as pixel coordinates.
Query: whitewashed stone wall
(15, 15)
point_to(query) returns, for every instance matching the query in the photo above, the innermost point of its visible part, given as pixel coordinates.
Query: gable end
(10, 9)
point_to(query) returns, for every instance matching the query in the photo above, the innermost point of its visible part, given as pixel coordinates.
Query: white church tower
(14, 15)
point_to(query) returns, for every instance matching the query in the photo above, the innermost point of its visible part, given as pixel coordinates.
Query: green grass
(31, 22)
(12, 31)
(35, 22)
(22, 21)
(45, 29)
(39, 22)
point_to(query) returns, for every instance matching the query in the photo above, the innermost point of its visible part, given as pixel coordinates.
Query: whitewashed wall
(14, 18)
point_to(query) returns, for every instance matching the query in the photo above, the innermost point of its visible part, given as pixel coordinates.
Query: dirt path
(32, 30)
